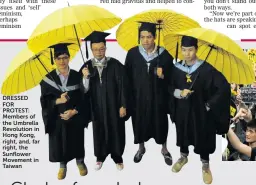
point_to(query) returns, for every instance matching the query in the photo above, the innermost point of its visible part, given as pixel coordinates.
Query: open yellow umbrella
(76, 21)
(252, 57)
(27, 70)
(218, 50)
(169, 21)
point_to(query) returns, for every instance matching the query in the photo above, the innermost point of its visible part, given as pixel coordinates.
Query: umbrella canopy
(218, 50)
(27, 70)
(170, 21)
(71, 22)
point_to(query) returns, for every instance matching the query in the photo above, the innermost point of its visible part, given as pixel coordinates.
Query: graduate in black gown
(64, 113)
(148, 75)
(201, 112)
(105, 83)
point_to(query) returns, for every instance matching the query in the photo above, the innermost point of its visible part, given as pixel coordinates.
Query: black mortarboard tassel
(51, 57)
(177, 51)
(86, 50)
(138, 35)
(188, 41)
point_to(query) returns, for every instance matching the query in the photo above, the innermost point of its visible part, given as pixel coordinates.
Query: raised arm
(237, 144)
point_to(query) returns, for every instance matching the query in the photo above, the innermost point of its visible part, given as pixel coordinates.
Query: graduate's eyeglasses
(99, 50)
(62, 58)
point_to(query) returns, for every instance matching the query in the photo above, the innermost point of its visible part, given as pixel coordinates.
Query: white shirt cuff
(86, 84)
(177, 93)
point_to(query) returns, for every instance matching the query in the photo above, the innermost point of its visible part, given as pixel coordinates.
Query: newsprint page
(127, 92)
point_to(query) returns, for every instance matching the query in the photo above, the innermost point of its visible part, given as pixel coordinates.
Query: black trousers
(203, 156)
(116, 159)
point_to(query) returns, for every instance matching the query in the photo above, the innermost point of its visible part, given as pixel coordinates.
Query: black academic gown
(106, 100)
(149, 96)
(194, 124)
(66, 138)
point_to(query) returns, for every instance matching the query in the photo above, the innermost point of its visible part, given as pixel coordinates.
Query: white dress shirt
(63, 79)
(87, 80)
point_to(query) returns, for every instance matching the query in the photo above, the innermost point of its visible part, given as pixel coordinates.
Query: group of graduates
(149, 86)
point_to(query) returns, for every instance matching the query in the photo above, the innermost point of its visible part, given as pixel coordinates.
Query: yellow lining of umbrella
(59, 25)
(171, 21)
(26, 71)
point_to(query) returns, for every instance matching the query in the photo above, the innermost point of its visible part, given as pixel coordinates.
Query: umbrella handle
(48, 72)
(188, 95)
(158, 40)
(158, 47)
(92, 73)
(212, 47)
(67, 97)
(79, 43)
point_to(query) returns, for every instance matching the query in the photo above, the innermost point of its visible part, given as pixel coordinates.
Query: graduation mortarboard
(59, 49)
(188, 41)
(147, 26)
(95, 37)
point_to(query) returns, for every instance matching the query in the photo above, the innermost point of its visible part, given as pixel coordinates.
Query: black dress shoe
(138, 156)
(167, 158)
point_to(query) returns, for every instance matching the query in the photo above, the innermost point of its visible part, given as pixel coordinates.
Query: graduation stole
(60, 87)
(100, 65)
(181, 65)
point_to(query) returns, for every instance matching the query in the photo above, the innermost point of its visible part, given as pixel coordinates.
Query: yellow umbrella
(218, 50)
(76, 21)
(170, 21)
(27, 70)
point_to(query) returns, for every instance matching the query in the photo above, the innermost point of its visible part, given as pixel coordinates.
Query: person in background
(234, 89)
(254, 69)
(245, 114)
(250, 149)
(246, 111)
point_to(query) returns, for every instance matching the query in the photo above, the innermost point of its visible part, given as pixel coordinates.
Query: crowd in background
(245, 112)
